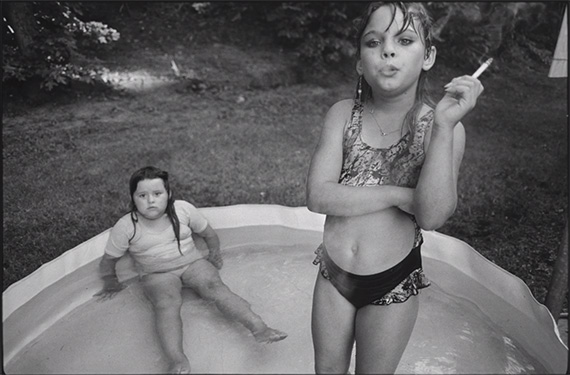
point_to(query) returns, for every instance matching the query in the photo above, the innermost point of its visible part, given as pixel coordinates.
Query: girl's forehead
(387, 18)
(155, 183)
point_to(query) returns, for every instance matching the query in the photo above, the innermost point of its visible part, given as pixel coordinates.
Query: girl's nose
(388, 50)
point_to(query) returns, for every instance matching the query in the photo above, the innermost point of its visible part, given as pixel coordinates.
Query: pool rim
(223, 217)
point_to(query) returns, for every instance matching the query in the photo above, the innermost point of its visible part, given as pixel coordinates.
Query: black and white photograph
(285, 187)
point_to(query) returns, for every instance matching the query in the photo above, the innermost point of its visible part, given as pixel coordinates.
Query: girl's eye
(406, 41)
(141, 195)
(373, 43)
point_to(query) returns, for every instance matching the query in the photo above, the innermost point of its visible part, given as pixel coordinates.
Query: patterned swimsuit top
(399, 165)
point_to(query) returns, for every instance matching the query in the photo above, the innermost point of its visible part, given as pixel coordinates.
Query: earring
(359, 91)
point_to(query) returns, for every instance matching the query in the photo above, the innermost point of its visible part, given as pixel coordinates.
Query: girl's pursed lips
(389, 70)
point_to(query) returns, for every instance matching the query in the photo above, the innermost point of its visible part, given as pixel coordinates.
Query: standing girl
(385, 166)
(158, 235)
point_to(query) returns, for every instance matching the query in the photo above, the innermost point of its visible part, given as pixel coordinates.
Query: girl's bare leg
(332, 328)
(163, 290)
(382, 334)
(204, 278)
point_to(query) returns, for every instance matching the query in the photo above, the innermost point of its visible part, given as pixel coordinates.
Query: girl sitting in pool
(385, 166)
(158, 234)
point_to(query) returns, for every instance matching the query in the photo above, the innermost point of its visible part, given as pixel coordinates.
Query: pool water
(451, 335)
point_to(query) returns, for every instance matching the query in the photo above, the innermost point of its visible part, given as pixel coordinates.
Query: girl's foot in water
(179, 367)
(268, 335)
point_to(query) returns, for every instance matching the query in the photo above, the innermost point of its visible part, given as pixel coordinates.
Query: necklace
(382, 132)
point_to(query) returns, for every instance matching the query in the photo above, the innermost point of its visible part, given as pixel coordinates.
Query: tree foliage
(317, 32)
(58, 48)
(322, 32)
(467, 33)
(65, 39)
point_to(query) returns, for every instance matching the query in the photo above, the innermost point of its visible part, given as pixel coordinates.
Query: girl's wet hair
(416, 16)
(150, 173)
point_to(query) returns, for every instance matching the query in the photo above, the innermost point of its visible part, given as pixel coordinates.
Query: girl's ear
(359, 67)
(429, 59)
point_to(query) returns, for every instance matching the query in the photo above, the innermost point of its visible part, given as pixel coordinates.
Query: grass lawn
(67, 163)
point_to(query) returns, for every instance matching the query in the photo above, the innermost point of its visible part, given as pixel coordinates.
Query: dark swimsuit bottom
(363, 165)
(395, 284)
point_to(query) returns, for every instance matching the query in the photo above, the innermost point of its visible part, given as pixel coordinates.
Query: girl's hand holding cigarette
(460, 98)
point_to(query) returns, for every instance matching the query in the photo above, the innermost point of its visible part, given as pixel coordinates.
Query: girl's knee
(331, 366)
(167, 301)
(332, 360)
(212, 289)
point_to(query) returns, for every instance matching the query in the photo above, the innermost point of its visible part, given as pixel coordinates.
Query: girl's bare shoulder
(342, 106)
(339, 113)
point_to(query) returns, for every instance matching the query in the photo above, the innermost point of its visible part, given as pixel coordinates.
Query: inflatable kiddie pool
(474, 318)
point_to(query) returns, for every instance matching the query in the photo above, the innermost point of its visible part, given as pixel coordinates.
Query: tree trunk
(20, 16)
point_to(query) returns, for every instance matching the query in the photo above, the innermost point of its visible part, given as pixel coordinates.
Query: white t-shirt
(157, 251)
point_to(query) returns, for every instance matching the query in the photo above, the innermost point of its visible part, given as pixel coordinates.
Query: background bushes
(55, 43)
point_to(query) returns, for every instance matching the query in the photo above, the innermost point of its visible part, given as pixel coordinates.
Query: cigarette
(482, 68)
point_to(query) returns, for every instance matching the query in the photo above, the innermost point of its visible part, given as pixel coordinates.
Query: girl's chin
(152, 216)
(390, 92)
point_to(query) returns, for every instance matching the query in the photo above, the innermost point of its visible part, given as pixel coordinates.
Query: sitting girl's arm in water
(324, 193)
(107, 271)
(117, 244)
(213, 242)
(435, 196)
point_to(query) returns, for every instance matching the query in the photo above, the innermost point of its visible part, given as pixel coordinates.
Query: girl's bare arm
(213, 242)
(107, 271)
(435, 196)
(325, 195)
